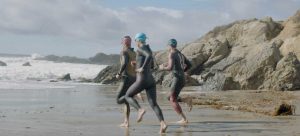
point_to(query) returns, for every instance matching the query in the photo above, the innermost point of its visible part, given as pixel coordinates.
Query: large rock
(291, 27)
(66, 77)
(286, 75)
(26, 64)
(247, 72)
(291, 36)
(217, 44)
(2, 63)
(190, 81)
(246, 54)
(219, 81)
(245, 32)
(291, 45)
(252, 70)
(107, 75)
(203, 55)
(235, 56)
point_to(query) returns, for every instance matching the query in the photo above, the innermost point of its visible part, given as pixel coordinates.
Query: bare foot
(189, 102)
(141, 114)
(163, 128)
(139, 96)
(125, 124)
(183, 121)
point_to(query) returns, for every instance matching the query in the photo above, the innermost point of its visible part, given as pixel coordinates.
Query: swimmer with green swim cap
(178, 64)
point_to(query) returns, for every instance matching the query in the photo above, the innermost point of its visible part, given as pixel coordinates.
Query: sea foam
(45, 70)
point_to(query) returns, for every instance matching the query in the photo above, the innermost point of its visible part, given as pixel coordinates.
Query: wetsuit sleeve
(170, 62)
(124, 61)
(153, 64)
(148, 57)
(187, 63)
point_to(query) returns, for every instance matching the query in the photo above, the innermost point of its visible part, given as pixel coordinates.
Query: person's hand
(186, 74)
(161, 67)
(118, 76)
(133, 63)
(140, 70)
(184, 66)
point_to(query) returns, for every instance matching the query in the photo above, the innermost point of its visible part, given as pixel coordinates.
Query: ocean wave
(43, 70)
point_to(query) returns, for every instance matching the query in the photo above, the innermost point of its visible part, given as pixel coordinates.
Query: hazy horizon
(83, 28)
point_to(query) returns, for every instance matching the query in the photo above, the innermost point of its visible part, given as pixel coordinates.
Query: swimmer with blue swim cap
(144, 81)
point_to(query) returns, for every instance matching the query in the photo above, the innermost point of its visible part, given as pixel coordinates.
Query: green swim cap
(172, 43)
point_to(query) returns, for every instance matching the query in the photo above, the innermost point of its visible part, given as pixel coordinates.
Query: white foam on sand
(44, 70)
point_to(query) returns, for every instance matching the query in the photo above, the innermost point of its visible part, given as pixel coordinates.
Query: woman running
(144, 80)
(178, 64)
(128, 75)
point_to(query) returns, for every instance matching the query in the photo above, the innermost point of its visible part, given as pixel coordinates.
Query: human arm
(148, 58)
(170, 63)
(188, 64)
(124, 61)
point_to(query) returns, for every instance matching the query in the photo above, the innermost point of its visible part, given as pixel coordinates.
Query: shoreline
(83, 109)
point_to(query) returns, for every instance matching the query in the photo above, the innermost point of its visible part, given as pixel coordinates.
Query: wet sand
(90, 110)
(272, 103)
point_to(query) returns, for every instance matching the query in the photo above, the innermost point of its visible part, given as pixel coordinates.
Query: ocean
(42, 70)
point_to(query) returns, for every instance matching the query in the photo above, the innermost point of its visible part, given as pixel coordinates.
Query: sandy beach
(61, 62)
(70, 109)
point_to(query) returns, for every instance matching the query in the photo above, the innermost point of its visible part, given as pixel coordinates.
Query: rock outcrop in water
(2, 63)
(246, 54)
(66, 77)
(26, 64)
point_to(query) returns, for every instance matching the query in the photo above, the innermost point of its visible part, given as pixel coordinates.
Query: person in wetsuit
(178, 64)
(144, 81)
(128, 75)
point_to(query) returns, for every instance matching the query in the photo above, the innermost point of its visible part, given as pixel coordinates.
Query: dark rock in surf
(2, 63)
(26, 64)
(66, 77)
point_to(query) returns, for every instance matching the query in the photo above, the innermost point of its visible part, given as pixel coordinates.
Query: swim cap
(140, 37)
(172, 43)
(126, 40)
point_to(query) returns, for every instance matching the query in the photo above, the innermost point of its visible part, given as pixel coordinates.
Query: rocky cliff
(246, 54)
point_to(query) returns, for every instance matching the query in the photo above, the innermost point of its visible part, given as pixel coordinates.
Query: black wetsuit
(180, 64)
(127, 71)
(144, 81)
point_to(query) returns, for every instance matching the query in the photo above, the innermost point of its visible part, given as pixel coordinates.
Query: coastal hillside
(67, 59)
(99, 58)
(243, 55)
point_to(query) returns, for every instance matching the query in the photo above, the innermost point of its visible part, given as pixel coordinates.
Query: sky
(83, 28)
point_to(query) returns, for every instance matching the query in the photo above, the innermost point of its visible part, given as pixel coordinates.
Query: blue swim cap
(172, 43)
(140, 37)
